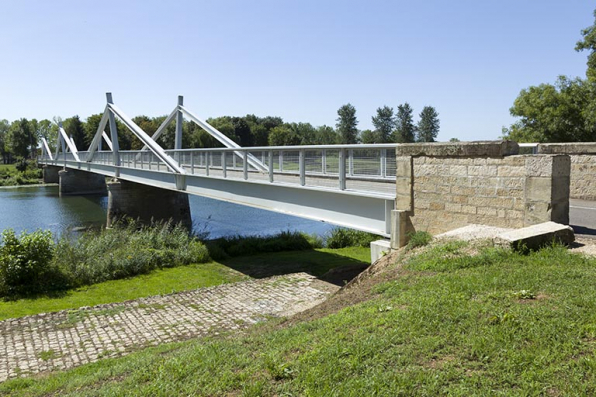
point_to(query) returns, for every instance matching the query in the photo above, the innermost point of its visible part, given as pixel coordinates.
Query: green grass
(163, 281)
(498, 323)
(183, 278)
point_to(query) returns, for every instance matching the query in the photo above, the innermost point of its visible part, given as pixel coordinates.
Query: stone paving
(61, 340)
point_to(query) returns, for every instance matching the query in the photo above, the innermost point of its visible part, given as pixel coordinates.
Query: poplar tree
(428, 125)
(347, 124)
(384, 124)
(405, 130)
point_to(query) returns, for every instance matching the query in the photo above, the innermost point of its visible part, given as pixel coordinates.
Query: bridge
(388, 189)
(346, 185)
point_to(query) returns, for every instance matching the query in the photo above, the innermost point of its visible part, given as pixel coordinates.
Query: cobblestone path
(66, 339)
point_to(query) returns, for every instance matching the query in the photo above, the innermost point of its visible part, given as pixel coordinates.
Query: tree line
(21, 138)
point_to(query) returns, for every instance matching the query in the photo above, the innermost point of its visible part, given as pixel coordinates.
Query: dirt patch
(356, 291)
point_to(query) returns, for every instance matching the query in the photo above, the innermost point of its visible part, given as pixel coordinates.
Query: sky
(300, 60)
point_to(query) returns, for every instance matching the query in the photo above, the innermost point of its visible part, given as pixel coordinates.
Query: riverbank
(20, 174)
(450, 319)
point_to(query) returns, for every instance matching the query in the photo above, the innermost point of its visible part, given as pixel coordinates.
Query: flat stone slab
(536, 236)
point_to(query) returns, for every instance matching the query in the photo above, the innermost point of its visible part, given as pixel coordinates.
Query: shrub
(419, 239)
(342, 237)
(25, 264)
(127, 250)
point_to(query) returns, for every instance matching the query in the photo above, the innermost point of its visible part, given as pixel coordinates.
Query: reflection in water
(31, 208)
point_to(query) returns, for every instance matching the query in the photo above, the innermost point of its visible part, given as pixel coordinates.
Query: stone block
(539, 188)
(459, 149)
(50, 174)
(567, 148)
(536, 236)
(399, 227)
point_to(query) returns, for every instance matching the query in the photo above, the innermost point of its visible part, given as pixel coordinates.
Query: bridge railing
(364, 168)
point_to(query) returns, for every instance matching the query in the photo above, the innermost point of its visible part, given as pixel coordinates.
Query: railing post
(207, 162)
(383, 163)
(179, 121)
(192, 163)
(351, 162)
(324, 161)
(281, 161)
(224, 166)
(114, 136)
(271, 166)
(342, 169)
(245, 165)
(302, 168)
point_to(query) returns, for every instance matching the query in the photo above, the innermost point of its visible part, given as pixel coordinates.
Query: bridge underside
(370, 213)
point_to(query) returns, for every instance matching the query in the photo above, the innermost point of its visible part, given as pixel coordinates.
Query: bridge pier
(50, 174)
(146, 203)
(76, 182)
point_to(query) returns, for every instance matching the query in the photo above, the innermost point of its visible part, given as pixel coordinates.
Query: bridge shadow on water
(330, 267)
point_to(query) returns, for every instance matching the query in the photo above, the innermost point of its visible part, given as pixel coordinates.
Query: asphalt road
(582, 217)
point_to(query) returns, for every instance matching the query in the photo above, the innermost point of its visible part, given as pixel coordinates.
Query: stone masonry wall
(583, 167)
(440, 192)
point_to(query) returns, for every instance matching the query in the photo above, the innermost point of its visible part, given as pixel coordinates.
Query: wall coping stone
(567, 148)
(459, 149)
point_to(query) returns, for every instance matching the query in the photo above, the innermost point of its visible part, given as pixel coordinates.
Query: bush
(419, 239)
(342, 237)
(26, 264)
(126, 251)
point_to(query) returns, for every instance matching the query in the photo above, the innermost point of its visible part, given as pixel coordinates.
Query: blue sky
(300, 60)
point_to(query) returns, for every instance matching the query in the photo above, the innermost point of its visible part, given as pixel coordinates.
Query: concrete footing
(146, 204)
(379, 249)
(50, 174)
(76, 182)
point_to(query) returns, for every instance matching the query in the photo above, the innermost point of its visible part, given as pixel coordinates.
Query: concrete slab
(535, 236)
(379, 249)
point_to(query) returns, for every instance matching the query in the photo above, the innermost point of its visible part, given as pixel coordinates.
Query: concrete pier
(50, 174)
(146, 204)
(76, 182)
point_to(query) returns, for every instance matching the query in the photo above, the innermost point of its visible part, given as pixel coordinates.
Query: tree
(589, 43)
(428, 125)
(283, 135)
(4, 127)
(19, 138)
(405, 130)
(384, 124)
(454, 140)
(325, 135)
(369, 136)
(554, 113)
(347, 124)
(48, 130)
(560, 112)
(75, 129)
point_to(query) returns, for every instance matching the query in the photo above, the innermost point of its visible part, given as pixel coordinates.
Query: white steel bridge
(347, 185)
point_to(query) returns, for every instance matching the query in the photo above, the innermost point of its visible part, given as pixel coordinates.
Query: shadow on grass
(331, 267)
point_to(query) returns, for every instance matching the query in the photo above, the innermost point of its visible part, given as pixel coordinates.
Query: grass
(183, 278)
(455, 322)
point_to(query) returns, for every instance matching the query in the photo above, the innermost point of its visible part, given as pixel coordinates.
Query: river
(41, 207)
